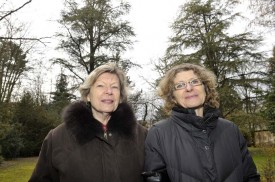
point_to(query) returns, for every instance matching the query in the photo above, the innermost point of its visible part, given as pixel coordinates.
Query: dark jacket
(196, 149)
(76, 151)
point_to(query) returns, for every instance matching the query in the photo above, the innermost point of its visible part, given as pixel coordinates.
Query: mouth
(191, 96)
(107, 101)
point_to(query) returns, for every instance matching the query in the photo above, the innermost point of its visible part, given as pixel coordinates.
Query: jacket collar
(79, 120)
(188, 119)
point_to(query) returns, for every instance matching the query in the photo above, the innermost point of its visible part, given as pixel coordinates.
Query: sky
(149, 18)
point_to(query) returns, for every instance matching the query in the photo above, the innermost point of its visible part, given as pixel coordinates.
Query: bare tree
(5, 14)
(5, 18)
(263, 10)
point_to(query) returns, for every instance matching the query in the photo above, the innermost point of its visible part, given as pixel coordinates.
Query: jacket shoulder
(141, 131)
(163, 126)
(60, 136)
(164, 123)
(224, 123)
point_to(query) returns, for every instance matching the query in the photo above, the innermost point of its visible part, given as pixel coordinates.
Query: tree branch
(1, 18)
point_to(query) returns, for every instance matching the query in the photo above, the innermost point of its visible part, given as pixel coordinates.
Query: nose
(109, 90)
(189, 87)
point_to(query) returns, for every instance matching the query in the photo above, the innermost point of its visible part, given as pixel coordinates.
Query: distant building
(264, 138)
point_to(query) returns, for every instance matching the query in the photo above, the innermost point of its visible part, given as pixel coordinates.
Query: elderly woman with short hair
(99, 140)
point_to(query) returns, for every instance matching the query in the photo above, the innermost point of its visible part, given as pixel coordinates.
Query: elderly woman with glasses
(194, 144)
(99, 139)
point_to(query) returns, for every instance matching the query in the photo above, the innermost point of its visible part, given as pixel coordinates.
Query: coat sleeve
(154, 159)
(250, 173)
(44, 170)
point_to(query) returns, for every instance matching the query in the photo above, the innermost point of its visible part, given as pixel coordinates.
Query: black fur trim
(79, 120)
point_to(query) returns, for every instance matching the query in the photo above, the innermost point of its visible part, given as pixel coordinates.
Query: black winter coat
(195, 149)
(76, 151)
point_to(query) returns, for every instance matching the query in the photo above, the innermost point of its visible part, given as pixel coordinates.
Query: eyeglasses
(183, 85)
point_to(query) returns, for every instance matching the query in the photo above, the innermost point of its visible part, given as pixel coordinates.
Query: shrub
(11, 143)
(268, 167)
(1, 160)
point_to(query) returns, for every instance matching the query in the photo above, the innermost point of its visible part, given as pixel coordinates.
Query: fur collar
(80, 122)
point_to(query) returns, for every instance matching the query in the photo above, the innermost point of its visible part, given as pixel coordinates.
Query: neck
(199, 111)
(101, 117)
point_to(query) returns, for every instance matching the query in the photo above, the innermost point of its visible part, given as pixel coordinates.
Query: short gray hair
(84, 88)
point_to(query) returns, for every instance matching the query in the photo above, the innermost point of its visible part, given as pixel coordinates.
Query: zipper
(105, 133)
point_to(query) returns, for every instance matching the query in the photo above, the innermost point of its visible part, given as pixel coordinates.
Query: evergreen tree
(270, 99)
(35, 123)
(61, 97)
(201, 36)
(62, 93)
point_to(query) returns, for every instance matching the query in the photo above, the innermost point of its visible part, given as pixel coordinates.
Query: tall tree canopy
(12, 66)
(96, 33)
(201, 35)
(264, 12)
(270, 99)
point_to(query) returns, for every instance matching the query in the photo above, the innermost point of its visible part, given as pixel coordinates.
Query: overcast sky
(149, 18)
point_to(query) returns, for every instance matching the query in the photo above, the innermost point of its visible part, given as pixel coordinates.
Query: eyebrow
(112, 83)
(186, 81)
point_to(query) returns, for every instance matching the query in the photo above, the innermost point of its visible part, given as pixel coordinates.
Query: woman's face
(193, 95)
(105, 94)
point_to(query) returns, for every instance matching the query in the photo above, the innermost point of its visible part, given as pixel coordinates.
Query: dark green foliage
(35, 123)
(61, 97)
(12, 142)
(270, 98)
(62, 93)
(1, 157)
(248, 123)
(10, 133)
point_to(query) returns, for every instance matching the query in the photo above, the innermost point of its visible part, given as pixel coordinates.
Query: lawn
(19, 170)
(262, 157)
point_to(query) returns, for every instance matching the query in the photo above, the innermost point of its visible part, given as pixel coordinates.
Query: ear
(88, 98)
(173, 99)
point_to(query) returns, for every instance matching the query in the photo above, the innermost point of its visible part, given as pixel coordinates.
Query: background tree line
(94, 32)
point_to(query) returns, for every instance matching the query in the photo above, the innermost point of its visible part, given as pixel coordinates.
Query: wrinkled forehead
(106, 76)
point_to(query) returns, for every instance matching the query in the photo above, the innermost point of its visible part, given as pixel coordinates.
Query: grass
(19, 170)
(261, 155)
(264, 159)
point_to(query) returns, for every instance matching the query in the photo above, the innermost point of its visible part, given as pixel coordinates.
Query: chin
(194, 106)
